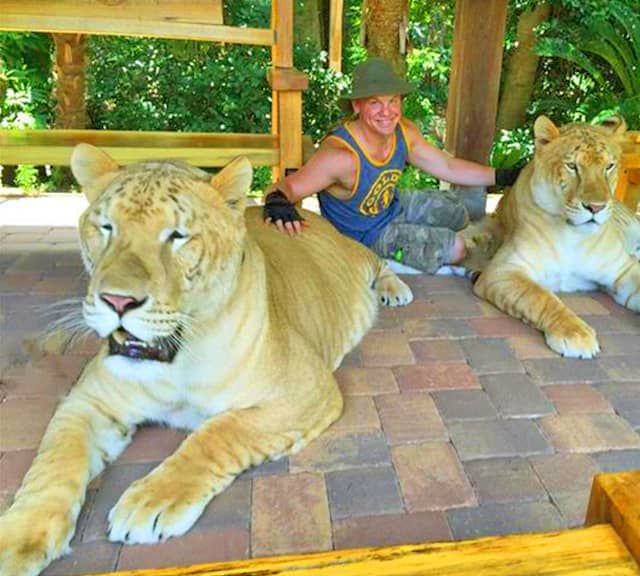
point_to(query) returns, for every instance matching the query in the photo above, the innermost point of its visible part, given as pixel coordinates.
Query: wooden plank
(475, 77)
(282, 23)
(205, 157)
(595, 551)
(335, 35)
(117, 26)
(202, 11)
(201, 149)
(628, 187)
(287, 79)
(129, 137)
(615, 499)
(290, 130)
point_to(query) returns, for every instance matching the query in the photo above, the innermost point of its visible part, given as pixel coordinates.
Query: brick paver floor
(459, 422)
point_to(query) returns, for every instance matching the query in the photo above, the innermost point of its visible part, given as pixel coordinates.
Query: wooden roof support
(335, 35)
(286, 106)
(284, 148)
(475, 77)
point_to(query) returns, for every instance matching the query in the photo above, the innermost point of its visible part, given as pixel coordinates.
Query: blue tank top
(374, 198)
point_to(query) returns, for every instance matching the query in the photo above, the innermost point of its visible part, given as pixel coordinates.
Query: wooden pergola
(473, 88)
(473, 91)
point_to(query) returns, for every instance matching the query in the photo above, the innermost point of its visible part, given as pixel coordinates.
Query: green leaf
(560, 48)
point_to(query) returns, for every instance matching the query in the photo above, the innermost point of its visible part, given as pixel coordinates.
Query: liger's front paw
(393, 292)
(573, 339)
(157, 507)
(29, 542)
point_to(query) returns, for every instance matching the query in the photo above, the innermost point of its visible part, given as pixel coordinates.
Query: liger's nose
(594, 207)
(121, 304)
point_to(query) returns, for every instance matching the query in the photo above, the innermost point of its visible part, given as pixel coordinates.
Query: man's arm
(443, 166)
(328, 166)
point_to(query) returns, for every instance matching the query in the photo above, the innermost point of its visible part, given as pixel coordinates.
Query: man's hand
(282, 213)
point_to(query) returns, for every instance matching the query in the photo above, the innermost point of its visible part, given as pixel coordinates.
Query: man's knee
(458, 251)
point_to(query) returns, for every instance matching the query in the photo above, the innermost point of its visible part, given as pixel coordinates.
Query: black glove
(278, 207)
(507, 176)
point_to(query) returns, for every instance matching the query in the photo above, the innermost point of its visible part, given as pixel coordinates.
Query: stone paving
(459, 422)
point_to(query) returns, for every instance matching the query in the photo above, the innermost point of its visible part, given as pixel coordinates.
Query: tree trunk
(385, 30)
(71, 109)
(520, 73)
(309, 23)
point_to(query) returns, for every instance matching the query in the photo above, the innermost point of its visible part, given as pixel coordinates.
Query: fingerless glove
(507, 176)
(278, 207)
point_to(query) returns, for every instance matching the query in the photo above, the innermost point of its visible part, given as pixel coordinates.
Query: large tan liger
(562, 231)
(214, 322)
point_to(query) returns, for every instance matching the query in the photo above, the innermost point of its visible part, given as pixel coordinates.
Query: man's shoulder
(336, 147)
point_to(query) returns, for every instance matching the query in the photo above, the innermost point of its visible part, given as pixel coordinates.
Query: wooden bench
(201, 20)
(628, 188)
(609, 545)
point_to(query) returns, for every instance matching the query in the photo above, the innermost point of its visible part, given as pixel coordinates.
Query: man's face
(380, 113)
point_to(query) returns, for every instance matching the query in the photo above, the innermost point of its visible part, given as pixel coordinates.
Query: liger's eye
(572, 166)
(178, 237)
(611, 166)
(106, 228)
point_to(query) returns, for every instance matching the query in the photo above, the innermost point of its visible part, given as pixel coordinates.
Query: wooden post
(614, 500)
(286, 103)
(475, 77)
(335, 35)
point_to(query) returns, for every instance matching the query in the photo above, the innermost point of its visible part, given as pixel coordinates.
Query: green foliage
(25, 90)
(27, 178)
(589, 71)
(511, 147)
(602, 63)
(25, 80)
(154, 84)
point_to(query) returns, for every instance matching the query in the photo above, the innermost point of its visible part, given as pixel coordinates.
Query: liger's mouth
(123, 343)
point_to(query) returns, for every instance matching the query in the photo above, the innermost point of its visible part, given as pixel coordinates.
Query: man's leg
(422, 247)
(435, 208)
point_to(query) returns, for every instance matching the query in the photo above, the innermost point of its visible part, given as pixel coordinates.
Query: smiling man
(357, 167)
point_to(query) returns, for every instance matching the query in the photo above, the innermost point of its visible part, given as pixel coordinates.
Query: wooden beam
(194, 11)
(335, 35)
(475, 77)
(628, 188)
(615, 500)
(282, 23)
(192, 19)
(287, 79)
(592, 551)
(129, 27)
(201, 149)
(286, 108)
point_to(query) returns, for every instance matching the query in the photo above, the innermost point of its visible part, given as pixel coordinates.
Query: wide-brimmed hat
(376, 77)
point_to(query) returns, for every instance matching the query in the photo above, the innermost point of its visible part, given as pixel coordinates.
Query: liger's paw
(28, 542)
(575, 339)
(392, 291)
(157, 507)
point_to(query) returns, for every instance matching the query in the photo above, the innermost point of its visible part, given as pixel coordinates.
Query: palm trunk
(385, 30)
(71, 109)
(520, 73)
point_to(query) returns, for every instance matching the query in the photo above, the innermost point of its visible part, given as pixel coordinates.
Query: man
(357, 167)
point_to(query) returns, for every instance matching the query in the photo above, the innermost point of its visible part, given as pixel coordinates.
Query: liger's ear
(544, 131)
(88, 165)
(234, 181)
(615, 125)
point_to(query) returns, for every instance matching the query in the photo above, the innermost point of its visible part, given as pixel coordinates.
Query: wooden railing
(628, 189)
(190, 19)
(609, 545)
